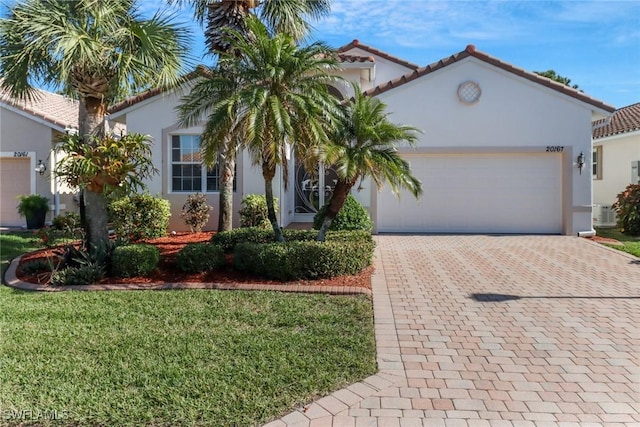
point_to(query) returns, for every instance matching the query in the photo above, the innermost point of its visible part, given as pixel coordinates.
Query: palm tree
(366, 146)
(95, 50)
(287, 16)
(271, 96)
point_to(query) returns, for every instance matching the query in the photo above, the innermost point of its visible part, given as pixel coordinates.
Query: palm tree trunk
(268, 173)
(340, 193)
(227, 167)
(92, 113)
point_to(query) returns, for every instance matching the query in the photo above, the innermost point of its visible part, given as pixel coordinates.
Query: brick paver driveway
(496, 330)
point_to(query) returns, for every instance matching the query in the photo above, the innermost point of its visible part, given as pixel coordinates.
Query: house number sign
(20, 154)
(555, 149)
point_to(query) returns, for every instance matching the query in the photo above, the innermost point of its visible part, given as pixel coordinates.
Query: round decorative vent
(469, 92)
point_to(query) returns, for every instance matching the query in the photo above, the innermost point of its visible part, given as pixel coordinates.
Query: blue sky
(594, 43)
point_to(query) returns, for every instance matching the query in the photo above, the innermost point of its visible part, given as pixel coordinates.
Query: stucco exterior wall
(512, 114)
(617, 154)
(22, 136)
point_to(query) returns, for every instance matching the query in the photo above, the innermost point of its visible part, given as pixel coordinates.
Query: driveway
(493, 331)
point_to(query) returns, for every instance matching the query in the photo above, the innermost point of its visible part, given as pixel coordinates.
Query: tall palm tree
(366, 146)
(289, 16)
(95, 50)
(275, 98)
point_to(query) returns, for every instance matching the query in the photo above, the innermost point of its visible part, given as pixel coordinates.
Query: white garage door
(478, 193)
(15, 178)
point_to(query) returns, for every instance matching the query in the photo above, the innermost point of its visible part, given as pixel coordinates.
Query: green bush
(140, 216)
(627, 207)
(195, 212)
(67, 222)
(86, 274)
(134, 260)
(254, 211)
(228, 240)
(199, 257)
(302, 259)
(36, 266)
(352, 216)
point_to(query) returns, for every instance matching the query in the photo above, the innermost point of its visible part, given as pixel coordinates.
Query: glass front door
(313, 190)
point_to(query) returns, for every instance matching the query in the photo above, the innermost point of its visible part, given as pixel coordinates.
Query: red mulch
(167, 272)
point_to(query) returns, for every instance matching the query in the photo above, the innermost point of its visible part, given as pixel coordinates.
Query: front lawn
(209, 358)
(630, 244)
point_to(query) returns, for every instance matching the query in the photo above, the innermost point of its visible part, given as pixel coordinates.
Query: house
(28, 132)
(615, 160)
(502, 150)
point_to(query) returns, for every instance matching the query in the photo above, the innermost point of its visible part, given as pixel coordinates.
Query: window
(596, 162)
(187, 172)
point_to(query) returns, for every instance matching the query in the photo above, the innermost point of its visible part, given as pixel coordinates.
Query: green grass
(630, 244)
(206, 358)
(16, 243)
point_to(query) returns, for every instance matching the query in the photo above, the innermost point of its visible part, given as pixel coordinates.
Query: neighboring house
(498, 153)
(28, 132)
(615, 160)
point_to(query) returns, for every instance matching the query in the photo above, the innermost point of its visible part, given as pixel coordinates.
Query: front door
(312, 190)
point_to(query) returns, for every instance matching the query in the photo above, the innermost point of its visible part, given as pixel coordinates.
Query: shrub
(627, 207)
(254, 211)
(199, 257)
(195, 212)
(67, 222)
(134, 260)
(36, 266)
(140, 216)
(228, 240)
(87, 274)
(352, 216)
(303, 260)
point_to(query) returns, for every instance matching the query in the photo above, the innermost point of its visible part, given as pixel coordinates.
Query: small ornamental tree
(627, 209)
(195, 212)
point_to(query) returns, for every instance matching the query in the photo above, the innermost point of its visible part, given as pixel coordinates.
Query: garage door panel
(15, 180)
(490, 193)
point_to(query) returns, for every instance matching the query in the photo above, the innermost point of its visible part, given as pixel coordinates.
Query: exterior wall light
(41, 168)
(580, 161)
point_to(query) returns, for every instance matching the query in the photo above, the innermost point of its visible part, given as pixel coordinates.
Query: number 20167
(555, 149)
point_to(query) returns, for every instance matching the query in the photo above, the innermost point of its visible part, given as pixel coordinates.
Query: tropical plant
(140, 216)
(221, 15)
(366, 146)
(281, 100)
(106, 164)
(627, 207)
(30, 204)
(95, 51)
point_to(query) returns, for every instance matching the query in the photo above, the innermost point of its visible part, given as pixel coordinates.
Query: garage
(15, 178)
(478, 193)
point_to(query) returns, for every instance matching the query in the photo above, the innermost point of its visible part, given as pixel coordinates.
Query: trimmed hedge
(297, 260)
(134, 260)
(228, 240)
(199, 257)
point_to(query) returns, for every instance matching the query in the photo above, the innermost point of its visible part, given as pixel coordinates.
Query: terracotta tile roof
(56, 109)
(355, 58)
(355, 44)
(471, 51)
(625, 119)
(200, 70)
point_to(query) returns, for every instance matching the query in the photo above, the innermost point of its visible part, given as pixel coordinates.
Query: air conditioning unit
(603, 216)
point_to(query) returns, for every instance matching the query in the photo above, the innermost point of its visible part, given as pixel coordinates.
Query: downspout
(594, 127)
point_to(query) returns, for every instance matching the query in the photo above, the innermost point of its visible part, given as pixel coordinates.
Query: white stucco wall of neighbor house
(618, 152)
(512, 115)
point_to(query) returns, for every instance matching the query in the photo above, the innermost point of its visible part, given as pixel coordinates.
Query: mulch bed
(167, 271)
